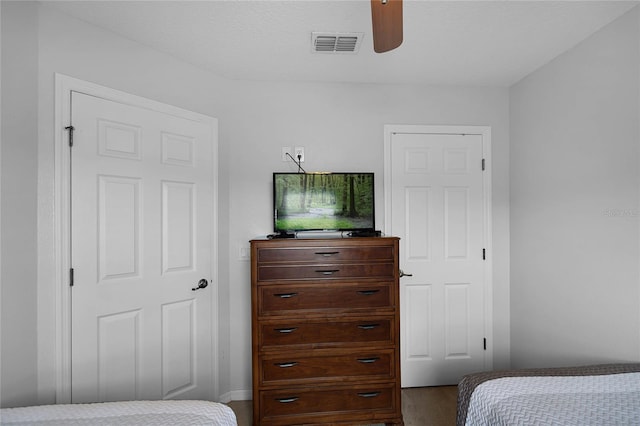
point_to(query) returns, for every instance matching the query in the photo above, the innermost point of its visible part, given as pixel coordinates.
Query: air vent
(336, 42)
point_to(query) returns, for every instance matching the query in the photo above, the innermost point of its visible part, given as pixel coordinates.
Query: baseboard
(238, 395)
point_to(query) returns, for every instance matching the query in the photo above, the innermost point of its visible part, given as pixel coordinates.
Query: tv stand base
(371, 233)
(281, 235)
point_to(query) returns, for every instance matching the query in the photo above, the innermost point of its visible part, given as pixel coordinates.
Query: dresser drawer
(325, 254)
(279, 299)
(327, 333)
(327, 366)
(326, 271)
(313, 405)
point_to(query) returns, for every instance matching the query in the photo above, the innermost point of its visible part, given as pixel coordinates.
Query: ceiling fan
(386, 17)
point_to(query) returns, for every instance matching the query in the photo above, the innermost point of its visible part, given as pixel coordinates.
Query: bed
(606, 394)
(126, 413)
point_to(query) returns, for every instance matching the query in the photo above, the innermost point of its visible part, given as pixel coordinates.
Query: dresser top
(321, 239)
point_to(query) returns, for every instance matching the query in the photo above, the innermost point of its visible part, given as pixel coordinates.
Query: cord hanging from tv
(322, 202)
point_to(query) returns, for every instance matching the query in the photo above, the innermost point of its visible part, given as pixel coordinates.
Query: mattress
(591, 395)
(126, 413)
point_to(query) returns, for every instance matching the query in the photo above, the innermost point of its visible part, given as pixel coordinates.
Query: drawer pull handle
(285, 295)
(368, 394)
(327, 271)
(286, 364)
(367, 292)
(368, 360)
(286, 330)
(327, 253)
(287, 400)
(368, 326)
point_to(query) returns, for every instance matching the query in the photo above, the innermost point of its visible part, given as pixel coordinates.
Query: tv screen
(323, 201)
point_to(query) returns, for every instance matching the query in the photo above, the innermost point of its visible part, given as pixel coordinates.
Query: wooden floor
(434, 406)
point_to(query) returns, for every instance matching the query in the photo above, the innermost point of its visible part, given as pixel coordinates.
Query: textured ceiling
(480, 43)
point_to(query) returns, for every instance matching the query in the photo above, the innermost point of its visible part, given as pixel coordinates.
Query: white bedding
(126, 413)
(563, 401)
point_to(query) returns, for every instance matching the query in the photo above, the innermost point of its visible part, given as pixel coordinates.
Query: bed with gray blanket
(125, 413)
(607, 394)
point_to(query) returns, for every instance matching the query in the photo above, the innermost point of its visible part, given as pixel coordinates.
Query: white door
(437, 209)
(141, 206)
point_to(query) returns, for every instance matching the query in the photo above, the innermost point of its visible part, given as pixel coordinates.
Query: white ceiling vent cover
(336, 42)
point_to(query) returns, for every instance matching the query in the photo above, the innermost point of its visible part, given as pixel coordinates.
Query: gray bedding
(125, 413)
(470, 382)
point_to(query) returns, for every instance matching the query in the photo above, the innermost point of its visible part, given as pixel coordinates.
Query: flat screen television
(323, 202)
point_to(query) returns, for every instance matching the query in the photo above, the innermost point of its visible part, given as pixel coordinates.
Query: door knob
(402, 274)
(201, 284)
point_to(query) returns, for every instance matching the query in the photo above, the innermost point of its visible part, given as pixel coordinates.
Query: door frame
(64, 85)
(485, 133)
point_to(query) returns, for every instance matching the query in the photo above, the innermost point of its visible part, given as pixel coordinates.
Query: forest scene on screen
(308, 201)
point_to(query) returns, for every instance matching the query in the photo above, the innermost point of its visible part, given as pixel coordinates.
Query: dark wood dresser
(326, 331)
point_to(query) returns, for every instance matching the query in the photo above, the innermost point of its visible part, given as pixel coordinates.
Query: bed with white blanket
(125, 413)
(590, 395)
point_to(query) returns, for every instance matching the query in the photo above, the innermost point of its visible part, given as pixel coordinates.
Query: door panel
(118, 227)
(119, 355)
(437, 209)
(178, 231)
(178, 348)
(418, 312)
(141, 206)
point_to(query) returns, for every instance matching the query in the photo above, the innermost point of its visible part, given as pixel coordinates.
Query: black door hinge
(483, 164)
(71, 277)
(484, 254)
(70, 129)
(485, 343)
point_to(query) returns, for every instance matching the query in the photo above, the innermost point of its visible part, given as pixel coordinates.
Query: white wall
(574, 204)
(340, 125)
(341, 128)
(19, 199)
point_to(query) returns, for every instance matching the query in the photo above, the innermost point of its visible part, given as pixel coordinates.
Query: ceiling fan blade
(386, 17)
